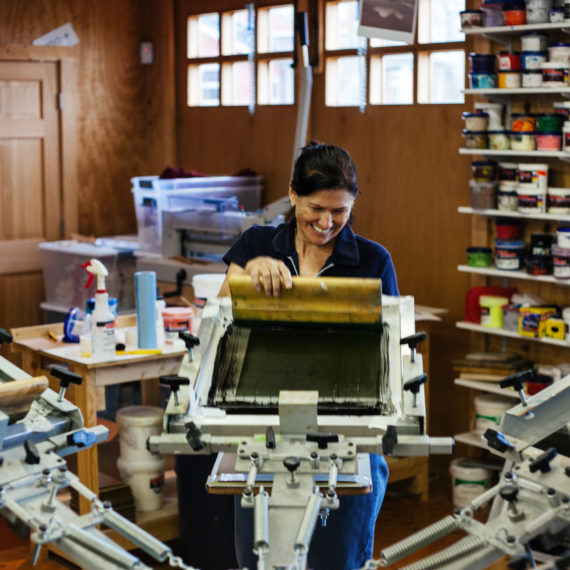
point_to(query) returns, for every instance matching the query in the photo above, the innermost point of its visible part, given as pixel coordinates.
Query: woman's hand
(267, 274)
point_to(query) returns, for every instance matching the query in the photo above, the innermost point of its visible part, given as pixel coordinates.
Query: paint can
(489, 411)
(492, 311)
(467, 481)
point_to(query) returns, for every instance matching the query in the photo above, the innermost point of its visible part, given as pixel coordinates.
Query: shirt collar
(345, 250)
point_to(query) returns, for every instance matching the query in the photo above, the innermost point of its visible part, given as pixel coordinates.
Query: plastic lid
(177, 312)
(140, 415)
(509, 244)
(475, 114)
(563, 229)
(466, 132)
(559, 44)
(492, 300)
(470, 12)
(534, 52)
(475, 249)
(484, 162)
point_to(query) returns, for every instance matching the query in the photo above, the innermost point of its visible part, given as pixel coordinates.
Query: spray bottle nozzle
(95, 267)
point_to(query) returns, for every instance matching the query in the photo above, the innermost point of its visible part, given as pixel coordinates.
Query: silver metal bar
(308, 523)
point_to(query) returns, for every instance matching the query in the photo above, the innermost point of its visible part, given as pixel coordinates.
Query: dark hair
(324, 166)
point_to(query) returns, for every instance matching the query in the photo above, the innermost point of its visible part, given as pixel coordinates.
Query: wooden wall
(125, 113)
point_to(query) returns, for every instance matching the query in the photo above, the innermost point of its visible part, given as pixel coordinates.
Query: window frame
(373, 55)
(225, 61)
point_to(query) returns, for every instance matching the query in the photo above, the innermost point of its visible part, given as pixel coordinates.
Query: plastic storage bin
(153, 195)
(65, 278)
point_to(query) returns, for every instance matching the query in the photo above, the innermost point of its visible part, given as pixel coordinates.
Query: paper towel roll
(145, 291)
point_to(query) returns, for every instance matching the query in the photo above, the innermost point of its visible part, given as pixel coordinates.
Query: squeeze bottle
(102, 319)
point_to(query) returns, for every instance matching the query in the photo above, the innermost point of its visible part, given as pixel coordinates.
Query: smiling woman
(317, 241)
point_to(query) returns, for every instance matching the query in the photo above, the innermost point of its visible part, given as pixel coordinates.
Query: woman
(318, 241)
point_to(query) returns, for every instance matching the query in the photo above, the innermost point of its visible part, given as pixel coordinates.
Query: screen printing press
(301, 387)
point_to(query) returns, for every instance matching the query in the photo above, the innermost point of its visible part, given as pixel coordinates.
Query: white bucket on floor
(136, 425)
(467, 482)
(489, 411)
(146, 480)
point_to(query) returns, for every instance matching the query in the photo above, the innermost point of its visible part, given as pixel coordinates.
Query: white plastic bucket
(136, 425)
(146, 480)
(207, 285)
(467, 482)
(489, 411)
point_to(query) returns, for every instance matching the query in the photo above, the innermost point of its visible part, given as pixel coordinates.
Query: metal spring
(418, 540)
(455, 552)
(136, 535)
(104, 549)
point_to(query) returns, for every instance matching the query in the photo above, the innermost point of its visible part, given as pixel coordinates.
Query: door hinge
(60, 100)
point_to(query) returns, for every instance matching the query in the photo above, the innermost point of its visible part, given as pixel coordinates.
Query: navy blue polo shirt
(353, 255)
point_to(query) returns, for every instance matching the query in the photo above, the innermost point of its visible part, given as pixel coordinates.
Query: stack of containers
(507, 198)
(532, 188)
(561, 254)
(484, 184)
(533, 55)
(509, 247)
(555, 69)
(549, 131)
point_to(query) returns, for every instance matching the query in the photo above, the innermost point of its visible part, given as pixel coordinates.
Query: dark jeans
(346, 542)
(206, 522)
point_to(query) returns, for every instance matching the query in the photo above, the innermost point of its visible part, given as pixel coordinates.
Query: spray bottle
(102, 319)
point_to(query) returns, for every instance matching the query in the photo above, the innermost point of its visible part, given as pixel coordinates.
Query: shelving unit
(520, 274)
(507, 36)
(509, 334)
(494, 213)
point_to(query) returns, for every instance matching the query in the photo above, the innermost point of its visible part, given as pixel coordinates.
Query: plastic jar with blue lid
(509, 255)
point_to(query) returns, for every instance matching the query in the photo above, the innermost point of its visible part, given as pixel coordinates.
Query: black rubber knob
(174, 381)
(413, 340)
(189, 339)
(32, 453)
(66, 377)
(270, 441)
(496, 440)
(414, 384)
(5, 336)
(509, 492)
(542, 462)
(322, 439)
(292, 463)
(517, 380)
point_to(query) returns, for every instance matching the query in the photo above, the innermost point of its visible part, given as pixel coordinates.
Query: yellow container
(532, 321)
(492, 310)
(556, 328)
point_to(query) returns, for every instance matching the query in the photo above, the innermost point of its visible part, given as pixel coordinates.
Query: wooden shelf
(502, 332)
(510, 30)
(560, 154)
(490, 387)
(519, 274)
(470, 438)
(501, 214)
(508, 92)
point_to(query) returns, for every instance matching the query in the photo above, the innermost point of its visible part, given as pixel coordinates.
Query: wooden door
(30, 183)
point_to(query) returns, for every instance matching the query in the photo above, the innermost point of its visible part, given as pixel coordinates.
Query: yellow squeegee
(334, 300)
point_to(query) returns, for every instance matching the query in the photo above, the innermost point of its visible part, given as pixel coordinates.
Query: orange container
(514, 17)
(176, 319)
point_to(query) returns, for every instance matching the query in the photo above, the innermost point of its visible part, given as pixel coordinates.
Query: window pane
(342, 25)
(204, 35)
(438, 21)
(281, 28)
(276, 82)
(236, 83)
(397, 79)
(343, 82)
(275, 28)
(204, 85)
(235, 33)
(447, 71)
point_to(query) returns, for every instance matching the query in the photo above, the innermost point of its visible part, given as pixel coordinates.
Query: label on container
(172, 326)
(561, 268)
(532, 202)
(103, 339)
(562, 202)
(507, 259)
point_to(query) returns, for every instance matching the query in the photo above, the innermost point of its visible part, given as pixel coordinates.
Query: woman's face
(321, 215)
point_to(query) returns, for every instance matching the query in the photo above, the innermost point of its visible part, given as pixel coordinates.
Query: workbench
(39, 351)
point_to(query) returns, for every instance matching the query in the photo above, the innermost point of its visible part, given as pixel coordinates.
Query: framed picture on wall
(393, 20)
